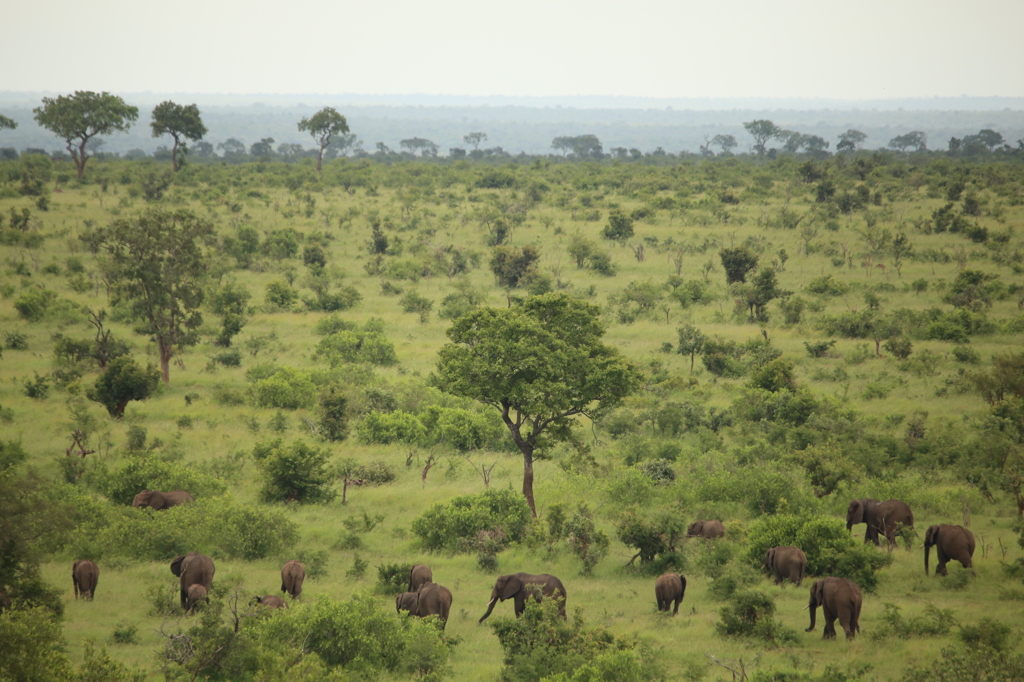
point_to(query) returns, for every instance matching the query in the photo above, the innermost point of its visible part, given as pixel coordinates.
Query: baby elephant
(271, 601)
(786, 562)
(838, 598)
(952, 543)
(705, 529)
(196, 594)
(669, 588)
(85, 574)
(292, 575)
(418, 575)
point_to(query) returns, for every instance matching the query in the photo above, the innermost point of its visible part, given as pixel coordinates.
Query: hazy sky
(653, 48)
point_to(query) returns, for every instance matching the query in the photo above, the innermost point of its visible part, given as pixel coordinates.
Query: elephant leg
(830, 625)
(520, 605)
(676, 609)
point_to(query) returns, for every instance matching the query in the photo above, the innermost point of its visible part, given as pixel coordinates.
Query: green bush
(653, 534)
(987, 634)
(393, 578)
(958, 665)
(294, 473)
(751, 613)
(141, 471)
(933, 622)
(658, 470)
(391, 427)
(123, 381)
(285, 388)
(346, 346)
(763, 487)
(462, 429)
(36, 305)
(454, 526)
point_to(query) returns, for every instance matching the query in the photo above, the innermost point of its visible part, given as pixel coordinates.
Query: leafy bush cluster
(347, 342)
(455, 526)
(459, 428)
(141, 471)
(296, 472)
(751, 613)
(281, 387)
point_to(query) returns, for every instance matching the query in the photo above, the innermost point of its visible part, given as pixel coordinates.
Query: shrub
(125, 633)
(586, 542)
(15, 341)
(987, 634)
(279, 296)
(751, 613)
(294, 473)
(933, 622)
(140, 472)
(461, 429)
(827, 286)
(393, 578)
(391, 427)
(333, 414)
(356, 346)
(377, 472)
(965, 666)
(122, 382)
(454, 526)
(36, 305)
(819, 349)
(653, 534)
(899, 346)
(619, 227)
(658, 470)
(37, 388)
(284, 388)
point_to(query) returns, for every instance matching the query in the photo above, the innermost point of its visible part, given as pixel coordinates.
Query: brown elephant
(705, 529)
(85, 574)
(430, 599)
(669, 588)
(293, 573)
(418, 575)
(838, 598)
(158, 500)
(952, 543)
(192, 569)
(521, 586)
(271, 601)
(196, 594)
(880, 517)
(786, 562)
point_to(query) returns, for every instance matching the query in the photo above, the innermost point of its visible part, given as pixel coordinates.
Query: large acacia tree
(540, 365)
(82, 116)
(181, 122)
(321, 126)
(157, 266)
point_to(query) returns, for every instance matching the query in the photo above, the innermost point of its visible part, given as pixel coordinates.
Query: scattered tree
(916, 141)
(691, 341)
(762, 131)
(123, 381)
(420, 146)
(79, 117)
(737, 263)
(321, 126)
(474, 139)
(850, 141)
(182, 123)
(726, 142)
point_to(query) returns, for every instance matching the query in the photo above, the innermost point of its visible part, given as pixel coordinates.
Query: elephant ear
(176, 565)
(512, 586)
(769, 557)
(818, 592)
(931, 536)
(157, 500)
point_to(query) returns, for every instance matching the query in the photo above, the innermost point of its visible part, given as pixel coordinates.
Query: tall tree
(157, 266)
(915, 141)
(79, 117)
(726, 142)
(474, 139)
(419, 145)
(540, 365)
(321, 126)
(850, 141)
(762, 131)
(181, 122)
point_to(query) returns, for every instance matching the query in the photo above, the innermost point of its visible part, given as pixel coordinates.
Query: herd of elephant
(839, 598)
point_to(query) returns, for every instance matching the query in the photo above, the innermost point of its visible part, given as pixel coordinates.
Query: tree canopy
(79, 117)
(8, 123)
(181, 122)
(539, 365)
(763, 131)
(321, 126)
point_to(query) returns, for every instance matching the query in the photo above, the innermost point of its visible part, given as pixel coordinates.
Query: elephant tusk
(806, 607)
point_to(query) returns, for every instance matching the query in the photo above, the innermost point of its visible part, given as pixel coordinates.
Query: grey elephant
(157, 500)
(521, 586)
(669, 588)
(786, 562)
(192, 569)
(85, 574)
(879, 517)
(293, 573)
(196, 594)
(418, 575)
(705, 529)
(840, 599)
(430, 599)
(952, 543)
(271, 601)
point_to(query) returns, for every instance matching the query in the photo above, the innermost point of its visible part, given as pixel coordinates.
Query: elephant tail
(682, 593)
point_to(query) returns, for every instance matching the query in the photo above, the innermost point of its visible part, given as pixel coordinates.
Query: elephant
(705, 529)
(786, 562)
(85, 574)
(430, 599)
(196, 594)
(193, 569)
(952, 543)
(520, 586)
(157, 500)
(418, 575)
(271, 601)
(880, 517)
(669, 588)
(838, 598)
(292, 575)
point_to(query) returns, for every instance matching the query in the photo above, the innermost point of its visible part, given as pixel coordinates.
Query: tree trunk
(528, 479)
(166, 349)
(319, 159)
(174, 155)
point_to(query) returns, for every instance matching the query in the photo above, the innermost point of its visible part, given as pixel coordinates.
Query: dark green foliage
(37, 388)
(351, 345)
(35, 305)
(281, 387)
(987, 634)
(294, 473)
(231, 303)
(653, 534)
(279, 296)
(971, 665)
(819, 349)
(932, 623)
(15, 341)
(899, 346)
(751, 613)
(122, 382)
(391, 427)
(658, 470)
(827, 286)
(588, 544)
(737, 262)
(619, 227)
(512, 266)
(393, 578)
(414, 303)
(541, 644)
(455, 525)
(333, 414)
(774, 376)
(377, 472)
(143, 471)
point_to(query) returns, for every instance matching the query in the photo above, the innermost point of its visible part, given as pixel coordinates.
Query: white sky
(861, 49)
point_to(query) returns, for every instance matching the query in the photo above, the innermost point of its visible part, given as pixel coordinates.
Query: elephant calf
(271, 601)
(705, 529)
(419, 574)
(669, 588)
(293, 573)
(430, 599)
(85, 574)
(786, 562)
(196, 594)
(838, 598)
(952, 543)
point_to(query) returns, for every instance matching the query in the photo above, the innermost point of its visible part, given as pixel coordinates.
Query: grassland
(429, 207)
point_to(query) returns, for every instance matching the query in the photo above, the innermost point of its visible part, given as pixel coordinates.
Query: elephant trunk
(490, 607)
(814, 612)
